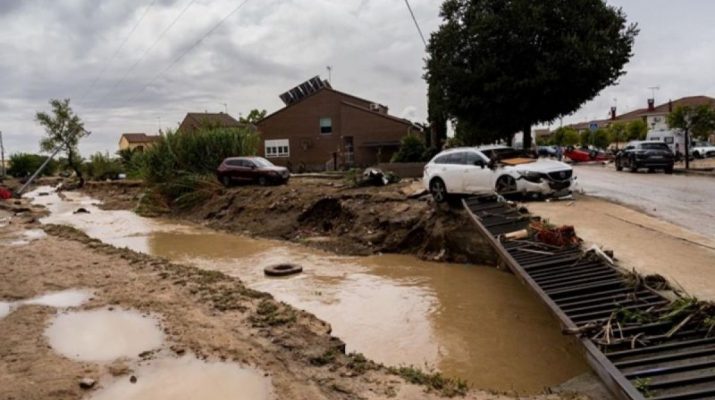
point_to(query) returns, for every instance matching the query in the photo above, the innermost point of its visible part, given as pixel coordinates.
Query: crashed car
(500, 169)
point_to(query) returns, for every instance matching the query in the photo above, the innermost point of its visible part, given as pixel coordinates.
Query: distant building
(136, 141)
(654, 116)
(195, 121)
(321, 128)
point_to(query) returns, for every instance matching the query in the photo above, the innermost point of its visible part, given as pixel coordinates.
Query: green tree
(253, 116)
(63, 130)
(565, 136)
(412, 149)
(24, 164)
(698, 121)
(636, 130)
(617, 133)
(585, 137)
(601, 138)
(503, 66)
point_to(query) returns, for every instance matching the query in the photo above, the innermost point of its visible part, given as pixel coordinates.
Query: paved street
(687, 201)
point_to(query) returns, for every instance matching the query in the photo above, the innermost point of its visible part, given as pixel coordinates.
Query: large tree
(63, 130)
(504, 66)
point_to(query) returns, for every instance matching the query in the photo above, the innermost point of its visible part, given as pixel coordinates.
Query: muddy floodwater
(473, 322)
(188, 378)
(103, 334)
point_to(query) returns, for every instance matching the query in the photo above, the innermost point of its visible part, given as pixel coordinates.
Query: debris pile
(563, 236)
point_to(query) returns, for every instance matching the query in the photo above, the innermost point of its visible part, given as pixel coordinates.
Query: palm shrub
(101, 166)
(180, 167)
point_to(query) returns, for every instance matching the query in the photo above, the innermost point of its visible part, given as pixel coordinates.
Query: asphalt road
(688, 201)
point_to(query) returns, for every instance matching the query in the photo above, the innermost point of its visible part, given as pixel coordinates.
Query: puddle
(188, 378)
(4, 309)
(63, 299)
(103, 335)
(473, 322)
(23, 238)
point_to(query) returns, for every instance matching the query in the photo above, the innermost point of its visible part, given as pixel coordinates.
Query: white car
(489, 169)
(702, 150)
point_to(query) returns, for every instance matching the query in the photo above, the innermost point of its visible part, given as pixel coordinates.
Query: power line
(180, 57)
(116, 52)
(153, 45)
(416, 24)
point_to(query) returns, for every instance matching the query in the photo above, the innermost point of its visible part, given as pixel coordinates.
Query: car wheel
(262, 181)
(506, 185)
(696, 154)
(619, 167)
(669, 170)
(438, 190)
(226, 181)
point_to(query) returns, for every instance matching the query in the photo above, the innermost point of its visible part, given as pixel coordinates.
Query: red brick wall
(300, 124)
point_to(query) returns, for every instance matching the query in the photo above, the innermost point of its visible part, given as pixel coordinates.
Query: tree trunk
(526, 138)
(76, 168)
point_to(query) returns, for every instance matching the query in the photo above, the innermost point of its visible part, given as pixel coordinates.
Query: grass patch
(449, 387)
(269, 313)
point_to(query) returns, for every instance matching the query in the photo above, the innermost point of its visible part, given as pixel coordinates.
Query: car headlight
(531, 176)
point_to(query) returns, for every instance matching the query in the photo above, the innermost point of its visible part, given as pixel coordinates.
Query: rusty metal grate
(585, 291)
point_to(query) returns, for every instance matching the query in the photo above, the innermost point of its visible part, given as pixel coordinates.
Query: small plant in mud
(642, 385)
(326, 358)
(449, 387)
(360, 364)
(269, 313)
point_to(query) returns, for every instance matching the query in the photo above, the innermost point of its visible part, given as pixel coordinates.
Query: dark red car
(251, 169)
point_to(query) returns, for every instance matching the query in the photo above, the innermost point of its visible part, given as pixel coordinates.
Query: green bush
(180, 167)
(200, 153)
(25, 164)
(102, 167)
(412, 149)
(132, 162)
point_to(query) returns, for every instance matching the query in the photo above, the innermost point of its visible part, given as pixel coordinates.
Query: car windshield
(654, 146)
(262, 162)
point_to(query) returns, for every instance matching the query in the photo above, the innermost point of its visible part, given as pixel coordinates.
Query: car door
(453, 172)
(477, 177)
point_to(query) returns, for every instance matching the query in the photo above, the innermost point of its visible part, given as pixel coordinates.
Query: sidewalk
(639, 241)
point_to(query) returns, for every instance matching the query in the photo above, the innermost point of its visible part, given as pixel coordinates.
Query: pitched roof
(220, 119)
(139, 137)
(390, 117)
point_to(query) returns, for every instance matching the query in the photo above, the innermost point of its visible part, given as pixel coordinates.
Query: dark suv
(251, 169)
(650, 154)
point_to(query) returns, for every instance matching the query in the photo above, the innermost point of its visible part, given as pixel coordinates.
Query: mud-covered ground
(202, 313)
(331, 215)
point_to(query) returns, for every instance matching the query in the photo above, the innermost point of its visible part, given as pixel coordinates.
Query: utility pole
(2, 158)
(225, 108)
(330, 73)
(688, 121)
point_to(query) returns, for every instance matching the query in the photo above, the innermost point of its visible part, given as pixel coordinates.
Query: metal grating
(585, 292)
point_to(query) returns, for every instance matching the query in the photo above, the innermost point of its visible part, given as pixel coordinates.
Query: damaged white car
(500, 169)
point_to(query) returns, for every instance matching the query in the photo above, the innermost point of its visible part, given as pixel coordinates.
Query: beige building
(136, 141)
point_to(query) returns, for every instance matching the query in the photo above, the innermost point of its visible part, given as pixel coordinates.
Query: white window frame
(276, 148)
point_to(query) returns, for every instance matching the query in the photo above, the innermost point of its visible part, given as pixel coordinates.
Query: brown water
(103, 334)
(186, 379)
(469, 321)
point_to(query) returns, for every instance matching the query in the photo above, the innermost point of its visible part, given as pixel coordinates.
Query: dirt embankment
(329, 215)
(204, 313)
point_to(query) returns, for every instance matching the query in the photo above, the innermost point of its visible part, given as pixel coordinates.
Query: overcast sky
(117, 82)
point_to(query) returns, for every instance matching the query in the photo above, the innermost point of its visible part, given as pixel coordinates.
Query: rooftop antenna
(652, 91)
(225, 108)
(330, 73)
(159, 120)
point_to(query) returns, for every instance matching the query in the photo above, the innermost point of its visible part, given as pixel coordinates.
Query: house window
(277, 148)
(326, 126)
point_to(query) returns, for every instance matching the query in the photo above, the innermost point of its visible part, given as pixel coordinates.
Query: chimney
(670, 105)
(651, 104)
(613, 113)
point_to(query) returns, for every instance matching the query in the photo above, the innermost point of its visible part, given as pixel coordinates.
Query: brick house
(194, 121)
(327, 129)
(136, 141)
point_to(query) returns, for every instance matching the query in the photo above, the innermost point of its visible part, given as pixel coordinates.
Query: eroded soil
(202, 313)
(331, 215)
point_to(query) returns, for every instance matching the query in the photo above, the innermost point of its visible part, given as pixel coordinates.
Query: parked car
(500, 169)
(702, 149)
(546, 151)
(251, 169)
(645, 154)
